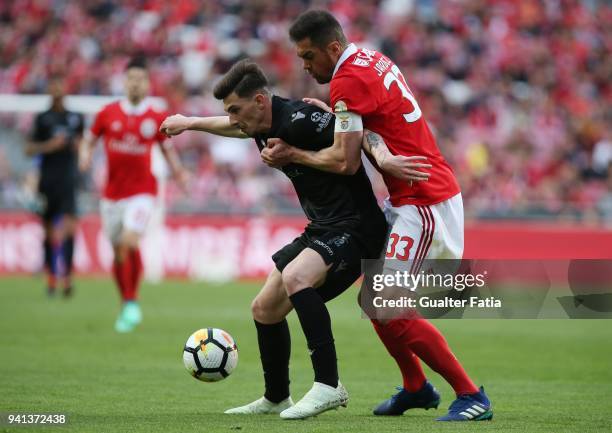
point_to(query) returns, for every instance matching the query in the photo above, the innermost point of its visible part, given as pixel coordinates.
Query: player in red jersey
(130, 128)
(367, 90)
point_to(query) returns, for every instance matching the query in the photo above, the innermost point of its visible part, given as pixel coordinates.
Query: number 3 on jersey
(404, 251)
(395, 76)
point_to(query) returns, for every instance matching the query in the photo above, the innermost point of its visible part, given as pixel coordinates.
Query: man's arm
(174, 162)
(218, 125)
(39, 146)
(342, 157)
(86, 150)
(399, 166)
(51, 145)
(402, 167)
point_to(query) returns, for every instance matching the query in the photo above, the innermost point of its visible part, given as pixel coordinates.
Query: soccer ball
(210, 354)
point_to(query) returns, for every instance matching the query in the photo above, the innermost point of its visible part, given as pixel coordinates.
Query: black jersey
(331, 202)
(58, 166)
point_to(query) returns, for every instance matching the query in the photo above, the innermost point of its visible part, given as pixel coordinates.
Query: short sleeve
(349, 93)
(97, 128)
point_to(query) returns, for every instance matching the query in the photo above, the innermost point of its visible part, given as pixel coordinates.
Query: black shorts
(342, 250)
(57, 200)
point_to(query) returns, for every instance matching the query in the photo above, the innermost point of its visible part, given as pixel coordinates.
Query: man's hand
(174, 125)
(85, 156)
(318, 103)
(56, 143)
(406, 167)
(277, 153)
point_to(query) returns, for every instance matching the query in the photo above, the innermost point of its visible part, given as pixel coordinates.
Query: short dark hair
(318, 25)
(245, 78)
(137, 62)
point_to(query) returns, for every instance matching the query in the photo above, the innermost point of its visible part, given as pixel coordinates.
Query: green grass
(63, 356)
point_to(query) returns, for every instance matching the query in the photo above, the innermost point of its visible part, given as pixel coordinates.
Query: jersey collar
(348, 52)
(135, 110)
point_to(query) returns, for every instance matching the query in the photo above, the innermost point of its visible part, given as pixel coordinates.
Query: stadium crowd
(518, 92)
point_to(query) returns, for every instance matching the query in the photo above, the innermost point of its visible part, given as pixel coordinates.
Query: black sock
(275, 349)
(68, 252)
(316, 324)
(49, 265)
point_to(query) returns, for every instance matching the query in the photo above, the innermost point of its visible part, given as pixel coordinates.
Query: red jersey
(367, 83)
(129, 133)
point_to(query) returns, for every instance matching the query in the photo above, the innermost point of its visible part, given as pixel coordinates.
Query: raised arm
(218, 125)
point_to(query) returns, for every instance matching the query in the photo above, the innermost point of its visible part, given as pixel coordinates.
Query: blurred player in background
(56, 134)
(129, 128)
(367, 90)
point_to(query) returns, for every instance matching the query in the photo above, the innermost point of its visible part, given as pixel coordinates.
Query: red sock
(424, 339)
(408, 363)
(133, 272)
(117, 275)
(136, 268)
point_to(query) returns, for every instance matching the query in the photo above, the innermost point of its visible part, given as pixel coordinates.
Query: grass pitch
(59, 356)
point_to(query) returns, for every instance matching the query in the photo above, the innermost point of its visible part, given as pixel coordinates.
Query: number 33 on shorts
(399, 247)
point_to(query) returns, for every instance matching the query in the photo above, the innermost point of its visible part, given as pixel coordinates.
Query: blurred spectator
(518, 93)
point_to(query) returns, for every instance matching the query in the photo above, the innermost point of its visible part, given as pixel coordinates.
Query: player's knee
(263, 311)
(295, 280)
(129, 239)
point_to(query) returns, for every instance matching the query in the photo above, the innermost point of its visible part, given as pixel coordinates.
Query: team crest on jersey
(316, 116)
(148, 127)
(340, 107)
(115, 126)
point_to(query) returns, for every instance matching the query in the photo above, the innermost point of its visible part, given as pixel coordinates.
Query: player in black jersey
(56, 134)
(346, 225)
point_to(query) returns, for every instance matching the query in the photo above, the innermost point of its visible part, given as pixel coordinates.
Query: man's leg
(126, 270)
(69, 226)
(300, 278)
(270, 308)
(134, 216)
(49, 248)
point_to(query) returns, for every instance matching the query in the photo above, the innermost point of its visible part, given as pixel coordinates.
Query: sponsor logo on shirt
(129, 144)
(323, 120)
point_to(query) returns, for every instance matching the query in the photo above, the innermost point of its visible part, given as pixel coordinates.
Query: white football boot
(320, 398)
(261, 406)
